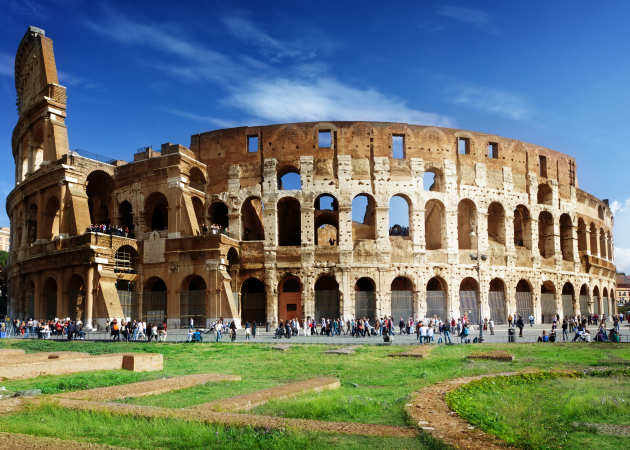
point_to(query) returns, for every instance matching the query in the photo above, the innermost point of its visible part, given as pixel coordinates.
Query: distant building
(623, 289)
(5, 235)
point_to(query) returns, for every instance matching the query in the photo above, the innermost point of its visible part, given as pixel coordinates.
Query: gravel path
(11, 441)
(249, 401)
(144, 388)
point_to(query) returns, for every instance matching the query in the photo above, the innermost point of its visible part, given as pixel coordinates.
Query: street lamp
(478, 257)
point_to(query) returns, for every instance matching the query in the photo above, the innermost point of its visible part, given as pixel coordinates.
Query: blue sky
(552, 73)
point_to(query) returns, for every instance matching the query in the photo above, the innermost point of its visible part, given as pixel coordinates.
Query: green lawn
(543, 411)
(374, 387)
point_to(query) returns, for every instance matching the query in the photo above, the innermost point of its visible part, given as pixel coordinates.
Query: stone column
(89, 297)
(60, 283)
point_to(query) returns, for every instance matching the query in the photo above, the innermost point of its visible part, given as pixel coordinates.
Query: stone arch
(156, 212)
(522, 227)
(99, 187)
(524, 299)
(290, 298)
(253, 301)
(154, 300)
(326, 220)
(496, 223)
(49, 296)
(581, 232)
(584, 300)
(568, 300)
(126, 259)
(50, 224)
(31, 224)
(435, 225)
(327, 298)
(252, 220)
(125, 214)
(402, 298)
(469, 299)
(199, 211)
(192, 302)
(76, 297)
(548, 302)
(399, 215)
(233, 257)
(602, 244)
(365, 298)
(545, 234)
(593, 233)
(433, 180)
(218, 215)
(289, 222)
(197, 180)
(289, 178)
(436, 294)
(467, 224)
(545, 194)
(363, 217)
(497, 301)
(566, 237)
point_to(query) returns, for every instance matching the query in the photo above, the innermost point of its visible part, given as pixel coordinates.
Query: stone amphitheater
(320, 219)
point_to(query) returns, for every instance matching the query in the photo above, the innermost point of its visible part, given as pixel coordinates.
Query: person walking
(218, 329)
(565, 331)
(520, 325)
(491, 326)
(248, 331)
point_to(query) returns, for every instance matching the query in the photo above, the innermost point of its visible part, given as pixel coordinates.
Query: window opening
(325, 139)
(542, 162)
(252, 144)
(493, 150)
(398, 146)
(463, 146)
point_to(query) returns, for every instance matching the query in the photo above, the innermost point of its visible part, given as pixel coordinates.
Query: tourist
(565, 332)
(544, 337)
(491, 326)
(531, 320)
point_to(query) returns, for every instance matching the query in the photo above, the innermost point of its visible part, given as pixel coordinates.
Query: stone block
(143, 362)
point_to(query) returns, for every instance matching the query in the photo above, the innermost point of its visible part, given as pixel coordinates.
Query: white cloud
(69, 79)
(200, 118)
(494, 101)
(474, 17)
(286, 100)
(622, 259)
(6, 65)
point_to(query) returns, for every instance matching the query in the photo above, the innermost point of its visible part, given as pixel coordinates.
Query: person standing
(520, 325)
(254, 329)
(565, 330)
(248, 331)
(491, 325)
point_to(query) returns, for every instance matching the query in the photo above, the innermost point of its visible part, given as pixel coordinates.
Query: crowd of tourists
(213, 229)
(43, 329)
(579, 326)
(114, 230)
(136, 331)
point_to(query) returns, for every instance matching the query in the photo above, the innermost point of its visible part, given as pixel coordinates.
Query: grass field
(374, 389)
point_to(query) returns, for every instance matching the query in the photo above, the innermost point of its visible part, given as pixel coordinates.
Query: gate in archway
(402, 304)
(548, 307)
(583, 305)
(326, 304)
(469, 306)
(365, 304)
(436, 304)
(567, 305)
(498, 314)
(524, 305)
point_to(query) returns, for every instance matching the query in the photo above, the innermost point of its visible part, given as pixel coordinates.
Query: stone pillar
(345, 225)
(346, 298)
(271, 290)
(38, 295)
(89, 297)
(482, 231)
(536, 301)
(534, 229)
(452, 247)
(60, 283)
(557, 247)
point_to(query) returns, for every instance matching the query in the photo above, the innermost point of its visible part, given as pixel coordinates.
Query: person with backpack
(520, 325)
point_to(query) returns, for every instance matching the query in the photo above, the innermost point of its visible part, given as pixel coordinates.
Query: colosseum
(320, 219)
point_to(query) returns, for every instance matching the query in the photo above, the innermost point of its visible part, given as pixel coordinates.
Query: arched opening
(467, 224)
(197, 180)
(289, 222)
(128, 298)
(192, 302)
(254, 302)
(469, 299)
(496, 224)
(545, 234)
(402, 298)
(219, 219)
(593, 233)
(76, 297)
(365, 299)
(613, 302)
(31, 224)
(602, 244)
(522, 228)
(496, 300)
(524, 302)
(434, 225)
(27, 308)
(584, 300)
(581, 232)
(545, 194)
(51, 218)
(199, 212)
(232, 257)
(99, 189)
(609, 246)
(326, 220)
(125, 213)
(363, 217)
(600, 212)
(326, 298)
(432, 180)
(154, 301)
(436, 299)
(289, 179)
(290, 299)
(49, 310)
(566, 237)
(548, 302)
(399, 216)
(126, 260)
(605, 302)
(252, 220)
(596, 301)
(568, 300)
(156, 212)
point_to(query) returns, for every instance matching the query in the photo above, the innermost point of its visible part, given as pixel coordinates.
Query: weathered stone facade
(502, 228)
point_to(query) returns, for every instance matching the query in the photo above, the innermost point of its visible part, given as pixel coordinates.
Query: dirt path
(235, 419)
(249, 401)
(144, 388)
(11, 441)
